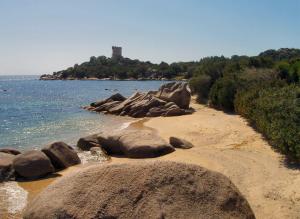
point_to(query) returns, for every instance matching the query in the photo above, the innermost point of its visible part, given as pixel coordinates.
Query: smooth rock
(61, 155)
(174, 111)
(135, 144)
(180, 143)
(32, 164)
(158, 189)
(6, 170)
(88, 142)
(10, 151)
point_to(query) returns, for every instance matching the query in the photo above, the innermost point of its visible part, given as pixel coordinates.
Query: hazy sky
(40, 36)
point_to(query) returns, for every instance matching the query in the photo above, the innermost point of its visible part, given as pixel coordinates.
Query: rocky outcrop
(180, 143)
(157, 189)
(32, 164)
(61, 155)
(172, 99)
(10, 151)
(85, 143)
(50, 77)
(135, 144)
(115, 97)
(178, 93)
(6, 170)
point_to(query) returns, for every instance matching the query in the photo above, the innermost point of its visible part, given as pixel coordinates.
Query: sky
(42, 36)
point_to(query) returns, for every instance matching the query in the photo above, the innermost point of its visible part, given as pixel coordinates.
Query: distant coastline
(53, 77)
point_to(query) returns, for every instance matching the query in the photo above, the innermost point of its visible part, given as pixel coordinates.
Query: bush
(275, 112)
(222, 94)
(200, 86)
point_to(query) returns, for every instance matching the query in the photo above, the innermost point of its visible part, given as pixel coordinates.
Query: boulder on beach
(172, 99)
(85, 143)
(159, 189)
(180, 143)
(61, 155)
(10, 151)
(6, 170)
(135, 144)
(176, 92)
(32, 164)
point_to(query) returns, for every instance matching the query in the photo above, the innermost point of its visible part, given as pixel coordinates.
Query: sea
(34, 113)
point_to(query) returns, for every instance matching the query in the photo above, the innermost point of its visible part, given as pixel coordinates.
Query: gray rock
(32, 164)
(61, 155)
(88, 142)
(135, 144)
(172, 99)
(114, 97)
(180, 143)
(6, 170)
(122, 106)
(159, 189)
(174, 111)
(156, 111)
(10, 151)
(106, 106)
(177, 92)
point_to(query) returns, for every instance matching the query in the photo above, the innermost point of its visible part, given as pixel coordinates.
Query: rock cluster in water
(172, 99)
(35, 164)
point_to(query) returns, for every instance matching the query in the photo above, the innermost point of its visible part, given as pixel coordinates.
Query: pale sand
(225, 143)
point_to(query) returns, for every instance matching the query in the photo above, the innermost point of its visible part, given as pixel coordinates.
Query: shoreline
(226, 144)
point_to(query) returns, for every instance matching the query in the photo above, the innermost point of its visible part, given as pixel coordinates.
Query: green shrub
(222, 94)
(200, 86)
(275, 112)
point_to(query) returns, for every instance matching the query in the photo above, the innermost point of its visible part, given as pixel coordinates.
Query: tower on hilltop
(116, 52)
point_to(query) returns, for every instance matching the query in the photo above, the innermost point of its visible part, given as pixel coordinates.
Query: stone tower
(116, 52)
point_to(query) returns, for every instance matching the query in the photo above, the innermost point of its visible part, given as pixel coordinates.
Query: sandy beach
(227, 144)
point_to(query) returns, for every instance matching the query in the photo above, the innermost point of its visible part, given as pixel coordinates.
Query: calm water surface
(34, 113)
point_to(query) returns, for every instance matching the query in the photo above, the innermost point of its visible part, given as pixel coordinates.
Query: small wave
(13, 198)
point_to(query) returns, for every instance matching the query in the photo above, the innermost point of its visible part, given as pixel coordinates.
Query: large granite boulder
(159, 189)
(32, 164)
(6, 170)
(61, 155)
(135, 144)
(172, 99)
(177, 92)
(10, 151)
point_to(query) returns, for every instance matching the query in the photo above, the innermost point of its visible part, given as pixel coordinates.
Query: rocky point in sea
(171, 99)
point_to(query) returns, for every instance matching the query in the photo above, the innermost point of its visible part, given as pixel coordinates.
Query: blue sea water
(34, 113)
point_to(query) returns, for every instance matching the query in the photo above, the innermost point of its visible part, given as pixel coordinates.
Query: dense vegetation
(125, 68)
(265, 89)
